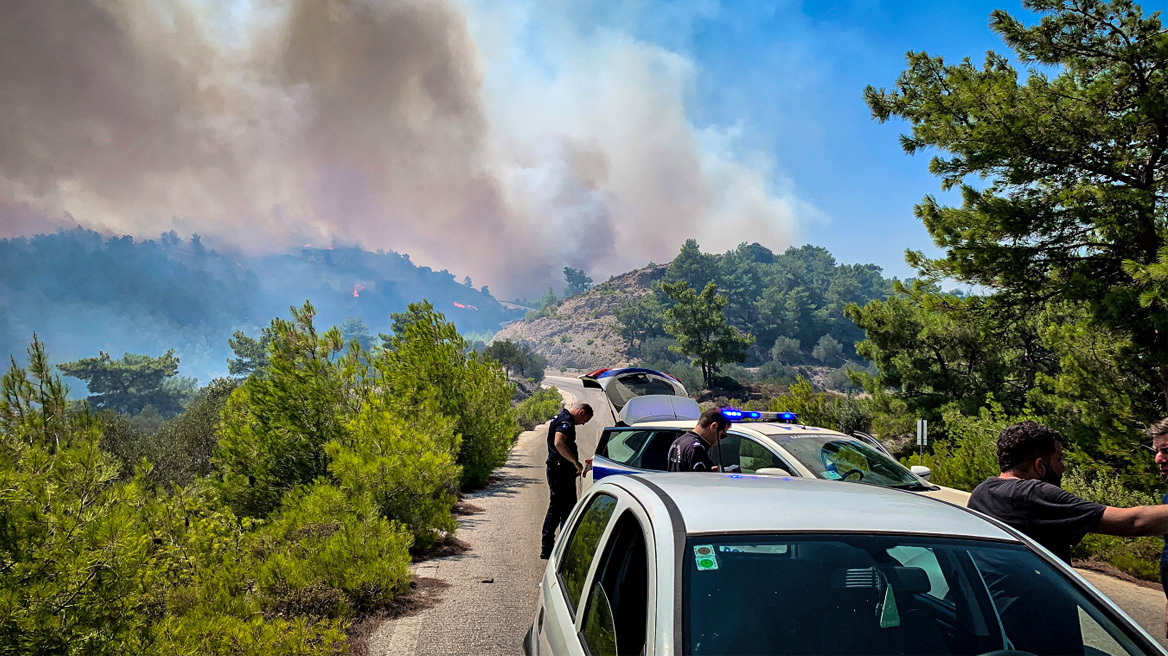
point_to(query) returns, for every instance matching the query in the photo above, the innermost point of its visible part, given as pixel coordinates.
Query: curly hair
(1023, 442)
(1159, 428)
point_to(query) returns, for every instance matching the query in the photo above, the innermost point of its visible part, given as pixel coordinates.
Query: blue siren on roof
(735, 414)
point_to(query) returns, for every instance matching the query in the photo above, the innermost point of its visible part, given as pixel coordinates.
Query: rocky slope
(582, 332)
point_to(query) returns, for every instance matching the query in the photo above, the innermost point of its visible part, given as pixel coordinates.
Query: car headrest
(912, 580)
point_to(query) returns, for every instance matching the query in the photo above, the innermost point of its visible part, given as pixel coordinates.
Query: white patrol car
(723, 564)
(652, 410)
(766, 448)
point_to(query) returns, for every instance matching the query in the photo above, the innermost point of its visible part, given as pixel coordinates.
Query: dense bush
(325, 477)
(276, 424)
(826, 409)
(178, 449)
(777, 372)
(967, 454)
(539, 407)
(75, 550)
(427, 361)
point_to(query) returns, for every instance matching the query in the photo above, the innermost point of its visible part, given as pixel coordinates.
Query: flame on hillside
(357, 288)
(465, 307)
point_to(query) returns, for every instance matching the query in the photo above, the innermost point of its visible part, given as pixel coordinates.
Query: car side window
(616, 618)
(753, 456)
(725, 454)
(655, 454)
(573, 567)
(622, 445)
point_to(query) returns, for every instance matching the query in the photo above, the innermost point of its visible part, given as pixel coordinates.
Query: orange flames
(465, 307)
(356, 288)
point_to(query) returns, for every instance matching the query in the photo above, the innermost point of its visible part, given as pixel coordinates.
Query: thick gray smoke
(394, 124)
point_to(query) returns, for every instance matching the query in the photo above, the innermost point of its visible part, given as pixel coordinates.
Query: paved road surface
(490, 602)
(482, 618)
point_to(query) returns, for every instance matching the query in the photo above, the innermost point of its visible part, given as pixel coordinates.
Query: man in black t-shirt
(563, 466)
(1027, 495)
(691, 451)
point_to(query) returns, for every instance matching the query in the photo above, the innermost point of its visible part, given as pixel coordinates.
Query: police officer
(691, 451)
(563, 466)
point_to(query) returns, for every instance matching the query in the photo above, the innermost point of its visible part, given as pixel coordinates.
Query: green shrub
(539, 407)
(275, 425)
(968, 454)
(74, 554)
(427, 362)
(777, 372)
(405, 463)
(328, 539)
(209, 633)
(814, 408)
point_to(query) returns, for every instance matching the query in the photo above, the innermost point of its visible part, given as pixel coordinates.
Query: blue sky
(791, 76)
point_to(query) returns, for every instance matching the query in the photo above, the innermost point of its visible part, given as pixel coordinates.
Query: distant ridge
(582, 334)
(84, 292)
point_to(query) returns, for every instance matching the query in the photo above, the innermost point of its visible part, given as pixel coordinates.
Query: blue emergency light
(735, 414)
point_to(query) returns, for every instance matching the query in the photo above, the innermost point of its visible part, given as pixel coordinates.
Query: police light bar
(735, 414)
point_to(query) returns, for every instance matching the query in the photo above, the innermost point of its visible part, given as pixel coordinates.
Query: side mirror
(922, 471)
(773, 471)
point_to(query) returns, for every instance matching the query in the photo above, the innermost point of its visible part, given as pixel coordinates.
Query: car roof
(762, 427)
(737, 503)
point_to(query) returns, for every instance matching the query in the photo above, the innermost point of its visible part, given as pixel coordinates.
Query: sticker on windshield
(704, 554)
(830, 475)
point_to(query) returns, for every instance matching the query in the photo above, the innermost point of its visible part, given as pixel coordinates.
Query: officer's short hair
(585, 407)
(711, 416)
(1022, 443)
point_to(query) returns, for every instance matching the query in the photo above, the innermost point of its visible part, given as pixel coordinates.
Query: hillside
(792, 304)
(82, 292)
(582, 334)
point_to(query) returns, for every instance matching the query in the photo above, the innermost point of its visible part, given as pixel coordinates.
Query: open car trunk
(637, 394)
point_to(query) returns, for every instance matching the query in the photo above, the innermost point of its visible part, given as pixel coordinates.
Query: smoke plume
(412, 125)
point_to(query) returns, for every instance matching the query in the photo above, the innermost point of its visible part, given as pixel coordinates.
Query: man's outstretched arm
(1138, 520)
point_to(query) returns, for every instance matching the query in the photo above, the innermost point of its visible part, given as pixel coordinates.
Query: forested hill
(83, 292)
(791, 304)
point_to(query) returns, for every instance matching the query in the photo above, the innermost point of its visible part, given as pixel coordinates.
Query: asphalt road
(490, 600)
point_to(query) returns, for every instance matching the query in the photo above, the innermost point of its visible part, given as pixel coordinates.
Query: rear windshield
(863, 594)
(626, 387)
(843, 458)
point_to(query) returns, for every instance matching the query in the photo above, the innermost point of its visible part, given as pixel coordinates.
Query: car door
(564, 581)
(617, 617)
(596, 596)
(625, 450)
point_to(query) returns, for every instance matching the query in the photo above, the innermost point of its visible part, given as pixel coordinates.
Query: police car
(764, 443)
(710, 563)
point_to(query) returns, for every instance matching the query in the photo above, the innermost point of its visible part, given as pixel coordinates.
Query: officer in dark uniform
(563, 466)
(691, 451)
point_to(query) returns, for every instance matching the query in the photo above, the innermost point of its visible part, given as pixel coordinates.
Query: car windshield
(631, 385)
(839, 458)
(884, 594)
